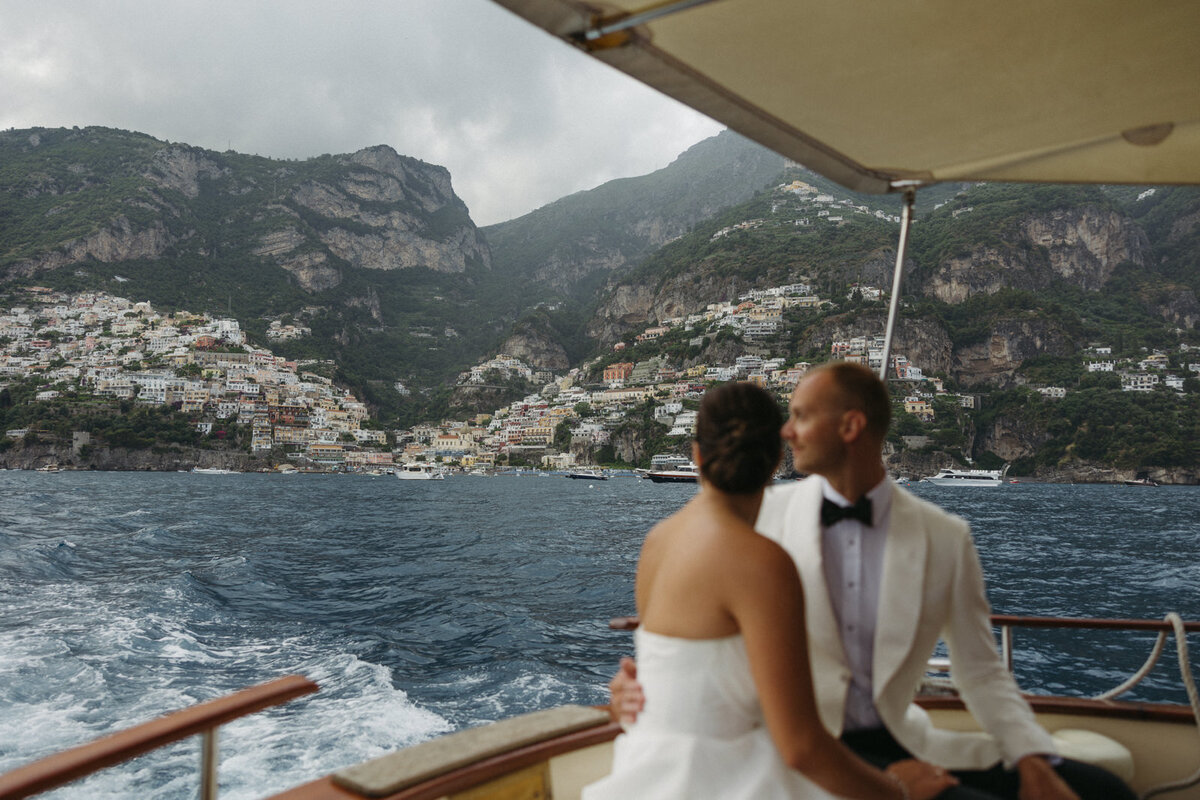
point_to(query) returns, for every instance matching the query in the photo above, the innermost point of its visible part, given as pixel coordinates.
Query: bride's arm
(765, 597)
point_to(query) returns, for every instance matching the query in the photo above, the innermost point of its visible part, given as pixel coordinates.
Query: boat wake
(83, 665)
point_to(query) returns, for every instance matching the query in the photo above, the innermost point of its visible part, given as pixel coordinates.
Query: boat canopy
(884, 96)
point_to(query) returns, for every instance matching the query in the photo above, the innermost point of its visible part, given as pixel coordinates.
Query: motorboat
(683, 473)
(419, 472)
(212, 471)
(966, 477)
(587, 475)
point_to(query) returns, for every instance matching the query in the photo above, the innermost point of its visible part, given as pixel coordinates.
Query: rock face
(384, 204)
(629, 306)
(922, 341)
(180, 167)
(119, 241)
(1081, 246)
(536, 350)
(1177, 306)
(1010, 439)
(311, 268)
(1012, 341)
(373, 209)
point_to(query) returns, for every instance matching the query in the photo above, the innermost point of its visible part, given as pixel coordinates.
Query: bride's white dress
(701, 735)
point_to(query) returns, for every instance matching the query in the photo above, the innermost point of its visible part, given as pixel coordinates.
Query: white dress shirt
(852, 557)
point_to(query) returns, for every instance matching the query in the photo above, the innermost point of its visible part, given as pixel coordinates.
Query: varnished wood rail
(1084, 622)
(69, 765)
(1006, 623)
(1011, 620)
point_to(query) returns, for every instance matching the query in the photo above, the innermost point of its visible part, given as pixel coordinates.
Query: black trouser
(1089, 782)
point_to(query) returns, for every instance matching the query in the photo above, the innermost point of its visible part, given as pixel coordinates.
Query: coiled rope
(1189, 684)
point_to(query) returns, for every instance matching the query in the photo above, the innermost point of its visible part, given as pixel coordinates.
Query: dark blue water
(425, 606)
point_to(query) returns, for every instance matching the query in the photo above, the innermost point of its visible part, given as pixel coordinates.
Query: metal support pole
(208, 765)
(906, 217)
(635, 18)
(1006, 645)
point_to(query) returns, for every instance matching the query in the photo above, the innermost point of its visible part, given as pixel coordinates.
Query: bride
(729, 711)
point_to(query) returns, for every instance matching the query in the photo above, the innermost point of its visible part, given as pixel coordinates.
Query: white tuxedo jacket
(932, 587)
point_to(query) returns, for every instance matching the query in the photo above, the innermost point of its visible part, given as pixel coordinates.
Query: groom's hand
(1039, 781)
(626, 698)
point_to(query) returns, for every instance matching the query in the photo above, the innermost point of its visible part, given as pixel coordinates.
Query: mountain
(604, 229)
(1083, 246)
(555, 261)
(103, 195)
(371, 250)
(1006, 288)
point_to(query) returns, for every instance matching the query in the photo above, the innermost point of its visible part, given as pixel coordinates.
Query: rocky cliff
(373, 209)
(1081, 246)
(536, 348)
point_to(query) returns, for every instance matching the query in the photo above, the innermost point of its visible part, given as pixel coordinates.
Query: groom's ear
(854, 422)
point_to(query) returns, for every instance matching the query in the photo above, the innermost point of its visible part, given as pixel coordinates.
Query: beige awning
(870, 93)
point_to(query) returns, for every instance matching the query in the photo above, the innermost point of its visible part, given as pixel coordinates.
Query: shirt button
(850, 584)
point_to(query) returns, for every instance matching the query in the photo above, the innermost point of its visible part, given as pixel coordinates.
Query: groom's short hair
(862, 390)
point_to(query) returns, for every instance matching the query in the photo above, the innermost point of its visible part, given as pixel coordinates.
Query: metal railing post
(1006, 646)
(208, 764)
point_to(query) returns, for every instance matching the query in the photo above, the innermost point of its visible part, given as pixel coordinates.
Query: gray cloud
(518, 118)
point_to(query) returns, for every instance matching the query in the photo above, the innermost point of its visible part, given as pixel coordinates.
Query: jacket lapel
(804, 534)
(802, 540)
(900, 594)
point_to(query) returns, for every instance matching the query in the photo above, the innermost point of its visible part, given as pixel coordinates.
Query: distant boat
(213, 471)
(587, 475)
(684, 473)
(420, 472)
(1142, 482)
(966, 477)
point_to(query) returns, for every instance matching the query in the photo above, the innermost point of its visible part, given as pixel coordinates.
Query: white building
(1138, 381)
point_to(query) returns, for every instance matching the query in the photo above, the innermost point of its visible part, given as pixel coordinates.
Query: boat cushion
(391, 773)
(1097, 749)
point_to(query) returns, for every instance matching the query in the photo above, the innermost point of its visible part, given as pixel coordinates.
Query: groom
(885, 574)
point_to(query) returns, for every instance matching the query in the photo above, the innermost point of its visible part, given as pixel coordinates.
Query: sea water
(422, 607)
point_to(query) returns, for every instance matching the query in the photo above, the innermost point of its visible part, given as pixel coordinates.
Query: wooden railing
(204, 719)
(1009, 621)
(1006, 623)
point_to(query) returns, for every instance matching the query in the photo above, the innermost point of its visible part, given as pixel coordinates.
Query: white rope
(1136, 678)
(1185, 671)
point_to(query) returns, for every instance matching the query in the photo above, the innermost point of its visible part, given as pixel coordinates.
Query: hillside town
(116, 348)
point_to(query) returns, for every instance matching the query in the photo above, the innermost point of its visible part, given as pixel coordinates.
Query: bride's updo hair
(737, 431)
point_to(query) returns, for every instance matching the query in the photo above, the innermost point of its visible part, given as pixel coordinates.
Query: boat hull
(587, 476)
(1160, 739)
(671, 477)
(419, 475)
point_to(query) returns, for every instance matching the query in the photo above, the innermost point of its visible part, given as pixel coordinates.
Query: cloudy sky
(519, 119)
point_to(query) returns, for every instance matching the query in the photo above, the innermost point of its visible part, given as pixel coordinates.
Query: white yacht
(680, 473)
(949, 476)
(420, 472)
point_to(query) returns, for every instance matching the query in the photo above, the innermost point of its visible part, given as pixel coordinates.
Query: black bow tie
(831, 512)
